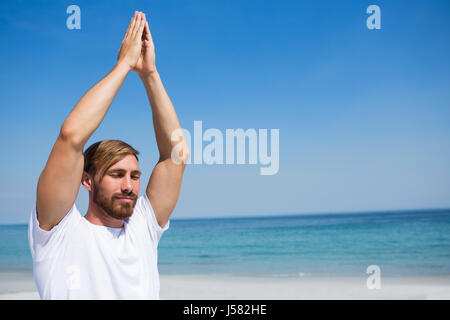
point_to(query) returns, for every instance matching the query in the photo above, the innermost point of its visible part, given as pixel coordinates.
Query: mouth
(125, 199)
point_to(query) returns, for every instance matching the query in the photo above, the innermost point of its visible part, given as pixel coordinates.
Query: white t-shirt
(79, 260)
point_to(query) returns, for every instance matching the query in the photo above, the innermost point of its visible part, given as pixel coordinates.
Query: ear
(87, 181)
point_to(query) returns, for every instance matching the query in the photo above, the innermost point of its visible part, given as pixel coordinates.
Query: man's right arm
(59, 182)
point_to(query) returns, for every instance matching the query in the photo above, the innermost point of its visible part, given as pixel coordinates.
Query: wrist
(122, 66)
(149, 74)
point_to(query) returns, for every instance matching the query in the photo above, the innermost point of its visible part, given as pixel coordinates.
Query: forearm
(165, 120)
(92, 107)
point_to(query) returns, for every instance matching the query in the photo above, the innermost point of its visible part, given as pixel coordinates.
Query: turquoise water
(414, 243)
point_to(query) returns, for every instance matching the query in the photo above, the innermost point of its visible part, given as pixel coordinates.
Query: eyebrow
(123, 171)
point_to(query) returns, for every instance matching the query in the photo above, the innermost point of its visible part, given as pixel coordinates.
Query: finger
(144, 36)
(148, 35)
(134, 22)
(129, 28)
(139, 27)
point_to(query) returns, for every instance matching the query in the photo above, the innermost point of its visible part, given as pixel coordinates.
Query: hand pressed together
(146, 62)
(137, 51)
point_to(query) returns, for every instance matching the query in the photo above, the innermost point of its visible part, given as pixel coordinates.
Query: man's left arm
(164, 185)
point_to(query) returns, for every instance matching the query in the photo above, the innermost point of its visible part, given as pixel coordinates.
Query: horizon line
(272, 215)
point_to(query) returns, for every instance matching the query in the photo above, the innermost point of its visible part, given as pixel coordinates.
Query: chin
(123, 211)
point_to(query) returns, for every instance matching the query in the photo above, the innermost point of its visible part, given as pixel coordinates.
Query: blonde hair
(104, 154)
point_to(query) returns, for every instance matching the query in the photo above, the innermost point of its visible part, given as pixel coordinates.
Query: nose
(127, 186)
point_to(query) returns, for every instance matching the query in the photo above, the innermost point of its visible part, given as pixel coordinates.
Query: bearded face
(115, 192)
(118, 206)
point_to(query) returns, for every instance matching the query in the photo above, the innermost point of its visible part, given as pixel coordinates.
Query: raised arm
(165, 181)
(59, 182)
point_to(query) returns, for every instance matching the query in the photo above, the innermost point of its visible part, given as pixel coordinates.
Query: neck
(98, 216)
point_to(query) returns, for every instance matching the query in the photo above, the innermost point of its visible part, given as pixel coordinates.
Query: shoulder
(144, 215)
(43, 242)
(142, 210)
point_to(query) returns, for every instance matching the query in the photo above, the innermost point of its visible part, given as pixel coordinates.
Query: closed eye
(115, 175)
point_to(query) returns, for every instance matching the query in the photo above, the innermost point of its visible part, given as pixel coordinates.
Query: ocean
(402, 243)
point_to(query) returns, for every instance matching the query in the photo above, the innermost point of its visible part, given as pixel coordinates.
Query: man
(111, 252)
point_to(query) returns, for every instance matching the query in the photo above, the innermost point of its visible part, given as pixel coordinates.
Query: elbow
(178, 155)
(184, 155)
(71, 136)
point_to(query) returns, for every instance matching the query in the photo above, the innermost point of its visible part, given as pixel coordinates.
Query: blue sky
(363, 114)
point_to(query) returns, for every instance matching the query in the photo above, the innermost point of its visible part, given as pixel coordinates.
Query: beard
(113, 207)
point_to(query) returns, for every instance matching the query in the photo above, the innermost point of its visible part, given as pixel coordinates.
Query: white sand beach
(302, 288)
(226, 287)
(17, 286)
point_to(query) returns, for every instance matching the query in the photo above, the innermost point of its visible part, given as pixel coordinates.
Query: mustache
(132, 196)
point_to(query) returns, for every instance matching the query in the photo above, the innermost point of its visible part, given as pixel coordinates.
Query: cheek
(111, 186)
(136, 186)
